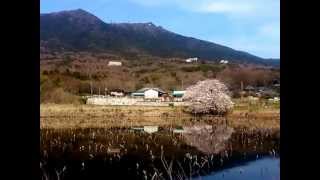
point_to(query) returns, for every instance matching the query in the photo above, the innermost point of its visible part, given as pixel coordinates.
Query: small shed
(117, 92)
(178, 93)
(276, 85)
(114, 63)
(249, 88)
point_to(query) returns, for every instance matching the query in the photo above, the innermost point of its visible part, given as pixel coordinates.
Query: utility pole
(91, 87)
(241, 90)
(181, 84)
(89, 74)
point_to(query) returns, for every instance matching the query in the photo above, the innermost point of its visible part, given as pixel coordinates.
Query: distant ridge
(79, 30)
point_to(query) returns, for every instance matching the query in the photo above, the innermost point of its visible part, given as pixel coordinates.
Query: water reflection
(206, 138)
(151, 152)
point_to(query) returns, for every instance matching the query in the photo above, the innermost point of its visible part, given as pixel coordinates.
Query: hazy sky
(249, 25)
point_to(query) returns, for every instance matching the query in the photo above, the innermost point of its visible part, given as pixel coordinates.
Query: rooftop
(142, 90)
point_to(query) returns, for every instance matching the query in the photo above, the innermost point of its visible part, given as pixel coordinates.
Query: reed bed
(125, 154)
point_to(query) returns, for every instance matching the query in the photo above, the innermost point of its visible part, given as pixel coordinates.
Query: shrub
(173, 74)
(142, 71)
(80, 76)
(59, 96)
(191, 69)
(57, 82)
(154, 77)
(45, 72)
(145, 80)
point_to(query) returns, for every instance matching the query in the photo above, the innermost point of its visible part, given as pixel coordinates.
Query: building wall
(150, 94)
(126, 101)
(114, 63)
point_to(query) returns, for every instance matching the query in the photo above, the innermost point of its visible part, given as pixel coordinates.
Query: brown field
(90, 116)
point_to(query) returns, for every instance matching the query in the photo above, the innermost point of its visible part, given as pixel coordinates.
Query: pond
(197, 151)
(267, 168)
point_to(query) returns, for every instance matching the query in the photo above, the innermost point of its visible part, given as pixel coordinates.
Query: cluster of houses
(195, 59)
(188, 60)
(152, 94)
(266, 92)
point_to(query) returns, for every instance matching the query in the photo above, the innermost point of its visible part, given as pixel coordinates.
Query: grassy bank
(89, 116)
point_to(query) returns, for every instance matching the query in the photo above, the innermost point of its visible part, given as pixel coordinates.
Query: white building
(189, 60)
(148, 93)
(117, 94)
(224, 62)
(115, 63)
(151, 94)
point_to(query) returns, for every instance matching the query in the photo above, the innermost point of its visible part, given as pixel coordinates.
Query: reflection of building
(149, 93)
(150, 129)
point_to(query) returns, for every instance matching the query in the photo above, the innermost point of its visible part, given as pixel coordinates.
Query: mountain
(273, 62)
(78, 30)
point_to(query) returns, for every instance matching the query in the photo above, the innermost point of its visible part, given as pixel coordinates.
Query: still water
(267, 168)
(198, 151)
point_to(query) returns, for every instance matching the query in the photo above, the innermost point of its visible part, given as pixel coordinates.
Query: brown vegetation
(60, 116)
(79, 73)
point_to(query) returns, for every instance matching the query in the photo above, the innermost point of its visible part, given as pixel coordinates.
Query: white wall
(114, 63)
(117, 101)
(149, 94)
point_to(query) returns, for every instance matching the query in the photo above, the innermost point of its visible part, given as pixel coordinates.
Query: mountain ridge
(79, 30)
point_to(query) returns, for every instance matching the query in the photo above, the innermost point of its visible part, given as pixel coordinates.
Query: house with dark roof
(249, 88)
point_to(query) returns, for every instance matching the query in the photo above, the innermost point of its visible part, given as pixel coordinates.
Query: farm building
(178, 93)
(114, 63)
(224, 62)
(189, 60)
(149, 93)
(117, 93)
(249, 88)
(276, 85)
